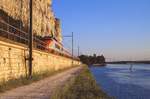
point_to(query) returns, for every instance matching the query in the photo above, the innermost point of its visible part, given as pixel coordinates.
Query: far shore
(129, 62)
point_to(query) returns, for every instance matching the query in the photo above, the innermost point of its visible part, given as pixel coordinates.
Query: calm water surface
(119, 81)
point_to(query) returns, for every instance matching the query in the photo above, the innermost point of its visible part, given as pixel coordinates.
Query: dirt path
(41, 89)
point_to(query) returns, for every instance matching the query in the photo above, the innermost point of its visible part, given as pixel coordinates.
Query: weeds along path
(43, 88)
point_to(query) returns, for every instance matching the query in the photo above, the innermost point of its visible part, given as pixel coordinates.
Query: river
(120, 81)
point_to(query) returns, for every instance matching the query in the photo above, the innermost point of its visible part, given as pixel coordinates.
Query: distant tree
(100, 59)
(94, 55)
(103, 59)
(89, 60)
(84, 59)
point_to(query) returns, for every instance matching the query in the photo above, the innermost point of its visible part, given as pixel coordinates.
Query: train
(53, 44)
(46, 43)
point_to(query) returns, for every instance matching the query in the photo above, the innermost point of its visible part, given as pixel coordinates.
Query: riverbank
(99, 65)
(82, 86)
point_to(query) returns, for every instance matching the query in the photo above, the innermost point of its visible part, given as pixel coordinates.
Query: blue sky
(119, 29)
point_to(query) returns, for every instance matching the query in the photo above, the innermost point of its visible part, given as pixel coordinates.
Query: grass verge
(82, 86)
(14, 83)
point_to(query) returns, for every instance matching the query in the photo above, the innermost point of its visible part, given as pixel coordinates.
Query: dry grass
(14, 83)
(81, 87)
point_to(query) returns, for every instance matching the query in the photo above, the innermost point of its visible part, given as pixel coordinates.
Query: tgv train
(43, 43)
(53, 44)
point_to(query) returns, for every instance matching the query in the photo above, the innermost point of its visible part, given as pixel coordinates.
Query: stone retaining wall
(13, 63)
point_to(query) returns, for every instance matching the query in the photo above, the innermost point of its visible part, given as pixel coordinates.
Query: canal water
(122, 82)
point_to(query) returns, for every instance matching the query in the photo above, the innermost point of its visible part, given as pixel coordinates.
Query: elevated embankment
(13, 63)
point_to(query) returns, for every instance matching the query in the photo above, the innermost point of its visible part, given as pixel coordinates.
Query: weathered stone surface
(14, 65)
(44, 21)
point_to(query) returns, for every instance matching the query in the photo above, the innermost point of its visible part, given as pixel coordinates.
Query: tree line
(90, 60)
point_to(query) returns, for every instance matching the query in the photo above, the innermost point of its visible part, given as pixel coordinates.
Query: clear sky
(119, 29)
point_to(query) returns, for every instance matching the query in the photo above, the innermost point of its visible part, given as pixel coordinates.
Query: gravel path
(41, 89)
